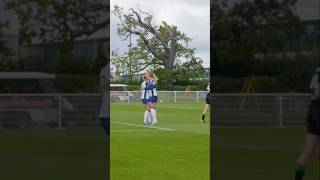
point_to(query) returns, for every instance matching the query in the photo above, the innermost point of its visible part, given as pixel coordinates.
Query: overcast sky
(190, 16)
(308, 9)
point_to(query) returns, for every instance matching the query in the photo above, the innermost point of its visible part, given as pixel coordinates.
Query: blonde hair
(155, 78)
(144, 77)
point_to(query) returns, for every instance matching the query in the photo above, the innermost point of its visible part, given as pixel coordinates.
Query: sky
(308, 9)
(190, 16)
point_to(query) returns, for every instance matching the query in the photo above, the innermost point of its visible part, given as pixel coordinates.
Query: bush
(226, 85)
(72, 83)
(165, 76)
(263, 84)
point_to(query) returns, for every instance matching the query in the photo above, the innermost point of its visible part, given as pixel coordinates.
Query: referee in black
(313, 125)
(207, 105)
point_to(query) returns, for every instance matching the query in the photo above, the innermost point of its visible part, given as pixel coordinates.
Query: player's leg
(206, 107)
(146, 112)
(312, 139)
(153, 110)
(150, 118)
(204, 112)
(105, 123)
(307, 154)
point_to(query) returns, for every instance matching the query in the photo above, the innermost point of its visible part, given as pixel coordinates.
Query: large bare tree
(161, 44)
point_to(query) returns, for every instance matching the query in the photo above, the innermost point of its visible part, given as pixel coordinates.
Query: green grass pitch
(141, 153)
(241, 152)
(264, 152)
(51, 154)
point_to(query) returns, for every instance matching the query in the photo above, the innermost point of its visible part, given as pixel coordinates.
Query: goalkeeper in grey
(104, 109)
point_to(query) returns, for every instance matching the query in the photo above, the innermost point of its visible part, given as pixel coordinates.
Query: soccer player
(154, 97)
(207, 105)
(145, 99)
(313, 126)
(104, 110)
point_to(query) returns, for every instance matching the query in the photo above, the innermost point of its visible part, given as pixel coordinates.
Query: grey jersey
(103, 77)
(315, 85)
(104, 109)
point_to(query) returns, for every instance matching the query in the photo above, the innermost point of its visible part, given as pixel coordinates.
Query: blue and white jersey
(154, 90)
(145, 93)
(151, 86)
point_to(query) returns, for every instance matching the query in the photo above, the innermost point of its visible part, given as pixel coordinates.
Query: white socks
(150, 117)
(146, 117)
(154, 116)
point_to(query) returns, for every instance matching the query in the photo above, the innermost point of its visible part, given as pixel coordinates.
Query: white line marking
(261, 148)
(137, 125)
(145, 130)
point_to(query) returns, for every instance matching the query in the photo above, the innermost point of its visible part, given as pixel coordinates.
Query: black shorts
(208, 98)
(313, 118)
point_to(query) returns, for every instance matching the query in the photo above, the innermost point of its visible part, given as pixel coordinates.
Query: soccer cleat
(203, 121)
(154, 123)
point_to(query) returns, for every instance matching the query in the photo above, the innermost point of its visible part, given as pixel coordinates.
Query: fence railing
(72, 110)
(260, 109)
(55, 110)
(164, 96)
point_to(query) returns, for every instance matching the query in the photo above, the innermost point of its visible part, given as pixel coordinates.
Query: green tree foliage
(59, 21)
(53, 20)
(5, 51)
(187, 71)
(249, 31)
(131, 62)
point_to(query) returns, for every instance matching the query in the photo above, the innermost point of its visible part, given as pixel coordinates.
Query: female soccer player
(207, 105)
(104, 109)
(313, 126)
(154, 97)
(145, 99)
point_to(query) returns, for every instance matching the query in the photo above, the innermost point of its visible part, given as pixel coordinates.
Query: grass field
(244, 152)
(51, 154)
(142, 153)
(262, 153)
(176, 149)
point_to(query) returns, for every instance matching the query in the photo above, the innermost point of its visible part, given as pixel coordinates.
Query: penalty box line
(138, 125)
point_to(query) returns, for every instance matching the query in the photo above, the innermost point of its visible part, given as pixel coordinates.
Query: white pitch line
(137, 125)
(115, 131)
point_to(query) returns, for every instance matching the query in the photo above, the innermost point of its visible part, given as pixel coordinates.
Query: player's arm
(142, 87)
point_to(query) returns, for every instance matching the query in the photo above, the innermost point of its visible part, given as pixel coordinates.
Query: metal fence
(73, 110)
(70, 110)
(260, 109)
(164, 96)
(55, 110)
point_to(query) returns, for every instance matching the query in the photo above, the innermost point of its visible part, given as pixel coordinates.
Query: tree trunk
(173, 50)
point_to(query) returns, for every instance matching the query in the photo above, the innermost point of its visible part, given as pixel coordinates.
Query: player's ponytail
(144, 77)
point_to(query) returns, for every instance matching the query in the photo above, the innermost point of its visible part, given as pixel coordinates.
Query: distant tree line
(248, 39)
